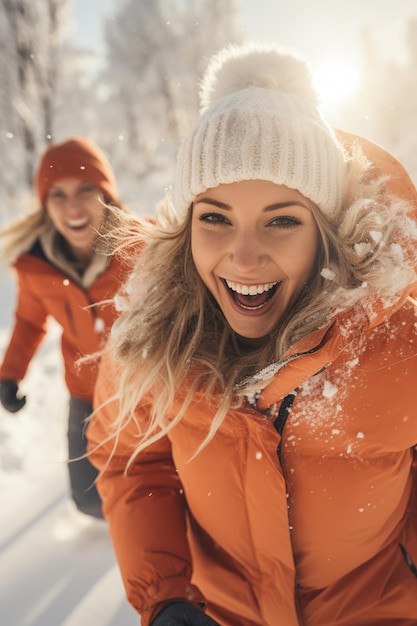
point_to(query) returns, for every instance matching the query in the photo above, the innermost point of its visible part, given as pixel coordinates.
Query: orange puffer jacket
(85, 316)
(310, 520)
(238, 554)
(346, 475)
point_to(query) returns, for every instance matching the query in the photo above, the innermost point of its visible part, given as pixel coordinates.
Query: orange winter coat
(85, 316)
(308, 520)
(346, 465)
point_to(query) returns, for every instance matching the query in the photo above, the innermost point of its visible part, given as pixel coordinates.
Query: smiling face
(254, 245)
(75, 209)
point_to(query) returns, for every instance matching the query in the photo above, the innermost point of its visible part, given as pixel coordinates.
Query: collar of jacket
(315, 351)
(55, 255)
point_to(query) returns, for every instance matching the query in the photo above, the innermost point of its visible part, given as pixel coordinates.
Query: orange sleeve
(28, 331)
(145, 508)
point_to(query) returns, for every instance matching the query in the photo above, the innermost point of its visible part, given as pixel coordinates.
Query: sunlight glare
(335, 80)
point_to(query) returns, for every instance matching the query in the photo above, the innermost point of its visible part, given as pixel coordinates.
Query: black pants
(82, 473)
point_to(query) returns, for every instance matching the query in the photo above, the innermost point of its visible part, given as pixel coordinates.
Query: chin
(251, 343)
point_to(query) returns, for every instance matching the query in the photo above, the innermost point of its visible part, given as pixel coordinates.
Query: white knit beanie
(260, 120)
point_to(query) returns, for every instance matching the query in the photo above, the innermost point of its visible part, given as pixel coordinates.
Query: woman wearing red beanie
(62, 273)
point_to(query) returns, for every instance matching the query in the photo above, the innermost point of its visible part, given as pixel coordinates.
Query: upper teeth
(249, 290)
(77, 223)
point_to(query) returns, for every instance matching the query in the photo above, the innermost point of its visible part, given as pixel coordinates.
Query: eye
(86, 189)
(213, 218)
(285, 221)
(56, 194)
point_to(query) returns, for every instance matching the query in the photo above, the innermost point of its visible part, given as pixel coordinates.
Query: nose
(247, 251)
(73, 202)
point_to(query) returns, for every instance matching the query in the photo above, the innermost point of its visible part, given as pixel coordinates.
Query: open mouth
(251, 297)
(77, 224)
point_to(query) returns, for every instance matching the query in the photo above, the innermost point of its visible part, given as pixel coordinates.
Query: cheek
(204, 254)
(98, 213)
(300, 259)
(54, 215)
(310, 249)
(198, 254)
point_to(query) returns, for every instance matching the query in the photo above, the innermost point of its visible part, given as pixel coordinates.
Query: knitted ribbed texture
(261, 133)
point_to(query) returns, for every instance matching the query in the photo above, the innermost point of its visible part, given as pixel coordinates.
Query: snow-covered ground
(57, 566)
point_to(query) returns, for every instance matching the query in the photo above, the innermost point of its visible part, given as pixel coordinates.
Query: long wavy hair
(172, 340)
(19, 236)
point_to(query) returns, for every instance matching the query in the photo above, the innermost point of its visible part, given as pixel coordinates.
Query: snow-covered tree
(31, 37)
(156, 53)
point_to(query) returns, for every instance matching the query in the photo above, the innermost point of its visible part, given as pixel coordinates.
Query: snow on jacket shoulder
(85, 316)
(347, 456)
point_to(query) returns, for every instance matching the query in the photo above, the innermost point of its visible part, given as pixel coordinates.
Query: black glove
(182, 614)
(9, 398)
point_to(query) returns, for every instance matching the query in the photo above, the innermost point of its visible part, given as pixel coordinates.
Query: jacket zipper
(408, 560)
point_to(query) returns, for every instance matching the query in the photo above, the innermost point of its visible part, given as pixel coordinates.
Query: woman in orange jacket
(256, 410)
(61, 273)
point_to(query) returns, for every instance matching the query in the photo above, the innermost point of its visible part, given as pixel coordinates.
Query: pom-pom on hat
(79, 158)
(260, 120)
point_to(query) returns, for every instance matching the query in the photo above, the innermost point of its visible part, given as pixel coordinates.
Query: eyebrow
(271, 207)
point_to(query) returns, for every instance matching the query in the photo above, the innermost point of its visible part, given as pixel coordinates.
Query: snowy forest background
(138, 105)
(136, 108)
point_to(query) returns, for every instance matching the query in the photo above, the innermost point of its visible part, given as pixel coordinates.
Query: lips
(251, 297)
(77, 224)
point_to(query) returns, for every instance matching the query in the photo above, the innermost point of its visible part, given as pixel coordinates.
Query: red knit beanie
(75, 158)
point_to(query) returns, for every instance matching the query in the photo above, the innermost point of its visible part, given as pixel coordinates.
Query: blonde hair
(172, 340)
(19, 236)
